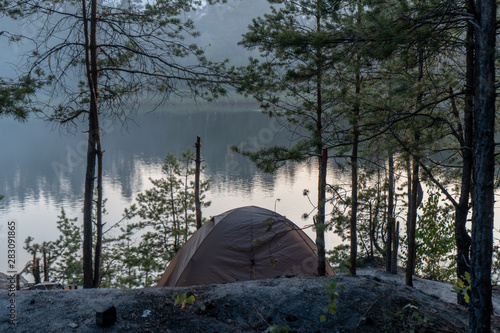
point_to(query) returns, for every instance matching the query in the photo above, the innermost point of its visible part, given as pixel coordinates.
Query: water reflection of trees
(30, 171)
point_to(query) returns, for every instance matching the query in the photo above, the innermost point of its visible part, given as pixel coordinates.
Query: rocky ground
(373, 301)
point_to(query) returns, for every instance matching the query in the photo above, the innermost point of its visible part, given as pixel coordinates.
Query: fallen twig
(369, 308)
(261, 316)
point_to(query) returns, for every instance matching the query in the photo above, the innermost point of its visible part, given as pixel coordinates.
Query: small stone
(290, 317)
(73, 325)
(106, 318)
(210, 305)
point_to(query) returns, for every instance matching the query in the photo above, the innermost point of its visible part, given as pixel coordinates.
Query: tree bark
(175, 221)
(322, 158)
(416, 189)
(320, 218)
(371, 228)
(93, 137)
(45, 265)
(354, 178)
(98, 241)
(409, 195)
(480, 307)
(412, 222)
(462, 238)
(395, 247)
(87, 208)
(354, 205)
(197, 183)
(36, 267)
(375, 225)
(389, 251)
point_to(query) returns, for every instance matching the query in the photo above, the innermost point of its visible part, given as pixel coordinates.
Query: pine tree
(166, 218)
(103, 55)
(63, 264)
(295, 81)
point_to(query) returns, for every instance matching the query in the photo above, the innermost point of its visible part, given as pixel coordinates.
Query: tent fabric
(246, 243)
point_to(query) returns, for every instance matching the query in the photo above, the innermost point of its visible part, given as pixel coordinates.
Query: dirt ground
(373, 301)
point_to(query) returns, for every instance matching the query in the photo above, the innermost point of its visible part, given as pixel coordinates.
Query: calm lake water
(42, 167)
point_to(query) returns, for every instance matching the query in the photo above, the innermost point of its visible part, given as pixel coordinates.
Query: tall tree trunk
(371, 229)
(395, 247)
(354, 179)
(322, 153)
(375, 224)
(462, 237)
(412, 222)
(320, 218)
(87, 210)
(87, 207)
(416, 188)
(354, 205)
(409, 194)
(483, 168)
(91, 65)
(389, 251)
(197, 183)
(186, 204)
(98, 241)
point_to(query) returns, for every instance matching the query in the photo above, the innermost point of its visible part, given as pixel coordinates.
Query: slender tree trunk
(374, 220)
(89, 175)
(91, 65)
(462, 237)
(416, 188)
(395, 247)
(354, 180)
(36, 267)
(409, 186)
(175, 222)
(320, 218)
(98, 242)
(412, 222)
(354, 205)
(36, 270)
(197, 183)
(99, 225)
(483, 168)
(322, 154)
(186, 204)
(45, 265)
(371, 228)
(389, 252)
(87, 209)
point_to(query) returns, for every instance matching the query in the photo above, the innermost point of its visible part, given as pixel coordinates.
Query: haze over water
(43, 167)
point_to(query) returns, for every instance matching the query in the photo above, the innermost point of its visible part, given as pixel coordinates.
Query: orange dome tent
(246, 243)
